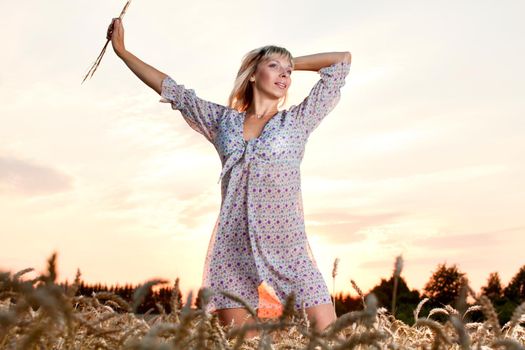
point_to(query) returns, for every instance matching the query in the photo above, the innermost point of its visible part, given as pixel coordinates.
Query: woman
(259, 235)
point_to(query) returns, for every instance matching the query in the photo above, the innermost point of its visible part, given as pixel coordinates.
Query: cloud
(377, 264)
(197, 210)
(27, 178)
(474, 253)
(466, 242)
(340, 228)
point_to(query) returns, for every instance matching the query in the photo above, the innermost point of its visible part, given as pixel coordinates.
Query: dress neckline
(243, 119)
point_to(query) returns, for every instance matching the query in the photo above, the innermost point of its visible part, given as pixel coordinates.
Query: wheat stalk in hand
(108, 37)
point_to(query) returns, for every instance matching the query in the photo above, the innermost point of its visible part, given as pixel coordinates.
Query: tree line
(443, 288)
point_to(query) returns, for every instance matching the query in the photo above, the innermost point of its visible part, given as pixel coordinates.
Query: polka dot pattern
(259, 234)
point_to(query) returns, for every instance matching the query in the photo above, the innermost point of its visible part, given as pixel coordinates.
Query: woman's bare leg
(324, 315)
(239, 316)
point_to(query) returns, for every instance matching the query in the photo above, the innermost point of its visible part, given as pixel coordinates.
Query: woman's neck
(262, 108)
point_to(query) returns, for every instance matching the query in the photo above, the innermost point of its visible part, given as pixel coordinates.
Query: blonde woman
(259, 236)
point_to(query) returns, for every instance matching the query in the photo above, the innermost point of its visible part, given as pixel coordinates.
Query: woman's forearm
(148, 74)
(319, 60)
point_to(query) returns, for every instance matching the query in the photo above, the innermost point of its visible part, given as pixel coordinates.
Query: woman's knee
(237, 315)
(237, 318)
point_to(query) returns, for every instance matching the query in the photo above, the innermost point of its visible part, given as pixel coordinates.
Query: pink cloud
(338, 227)
(27, 178)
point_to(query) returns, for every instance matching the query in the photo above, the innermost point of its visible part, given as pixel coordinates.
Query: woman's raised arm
(319, 60)
(203, 116)
(333, 68)
(149, 75)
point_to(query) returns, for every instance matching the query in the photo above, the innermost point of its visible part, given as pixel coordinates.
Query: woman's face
(272, 76)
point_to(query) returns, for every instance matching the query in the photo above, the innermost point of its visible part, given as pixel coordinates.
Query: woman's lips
(281, 85)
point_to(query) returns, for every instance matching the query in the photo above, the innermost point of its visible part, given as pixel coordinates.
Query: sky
(423, 156)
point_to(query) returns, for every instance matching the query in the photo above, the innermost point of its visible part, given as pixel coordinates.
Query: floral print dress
(259, 236)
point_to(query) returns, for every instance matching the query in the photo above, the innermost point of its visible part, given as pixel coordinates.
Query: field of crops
(40, 314)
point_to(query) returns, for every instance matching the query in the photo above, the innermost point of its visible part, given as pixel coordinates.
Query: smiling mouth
(281, 85)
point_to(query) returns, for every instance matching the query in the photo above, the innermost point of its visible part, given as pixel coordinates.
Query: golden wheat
(40, 314)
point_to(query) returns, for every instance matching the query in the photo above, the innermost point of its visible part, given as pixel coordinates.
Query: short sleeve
(203, 116)
(323, 97)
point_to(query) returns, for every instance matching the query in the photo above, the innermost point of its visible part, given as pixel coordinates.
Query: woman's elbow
(347, 57)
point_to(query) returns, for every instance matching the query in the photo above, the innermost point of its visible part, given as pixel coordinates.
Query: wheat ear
(95, 65)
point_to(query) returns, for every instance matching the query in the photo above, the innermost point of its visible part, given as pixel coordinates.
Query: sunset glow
(423, 156)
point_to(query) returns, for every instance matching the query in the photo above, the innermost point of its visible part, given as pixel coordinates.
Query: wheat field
(40, 314)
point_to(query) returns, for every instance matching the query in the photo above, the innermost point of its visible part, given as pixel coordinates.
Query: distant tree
(345, 303)
(515, 290)
(407, 300)
(148, 302)
(444, 285)
(126, 292)
(493, 290)
(197, 302)
(164, 298)
(81, 288)
(506, 310)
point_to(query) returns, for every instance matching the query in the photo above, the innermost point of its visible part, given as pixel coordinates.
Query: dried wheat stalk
(62, 320)
(99, 58)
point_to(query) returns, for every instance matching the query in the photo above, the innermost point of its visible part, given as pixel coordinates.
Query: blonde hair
(242, 93)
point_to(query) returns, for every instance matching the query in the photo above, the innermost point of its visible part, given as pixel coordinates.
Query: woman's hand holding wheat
(116, 35)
